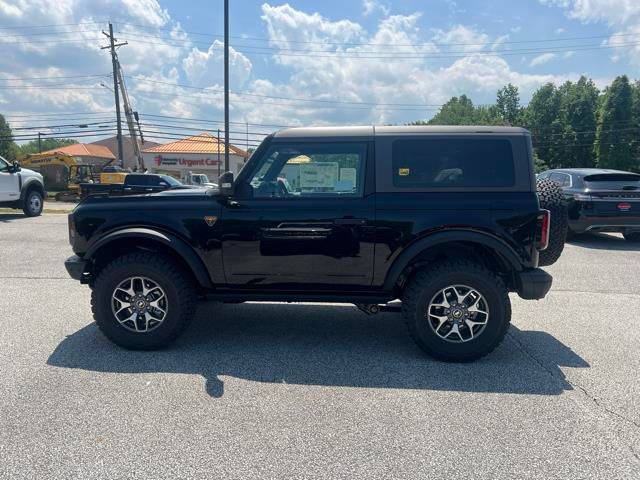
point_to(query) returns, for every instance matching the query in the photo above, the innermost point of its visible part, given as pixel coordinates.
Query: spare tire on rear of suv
(552, 198)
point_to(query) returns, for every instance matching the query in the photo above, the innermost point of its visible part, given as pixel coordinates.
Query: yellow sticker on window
(404, 172)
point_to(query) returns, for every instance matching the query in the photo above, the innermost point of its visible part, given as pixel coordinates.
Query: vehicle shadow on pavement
(324, 346)
(603, 241)
(8, 217)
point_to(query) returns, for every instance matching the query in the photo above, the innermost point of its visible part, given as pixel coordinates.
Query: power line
(411, 55)
(386, 52)
(79, 40)
(309, 42)
(63, 126)
(24, 27)
(54, 77)
(57, 114)
(350, 107)
(286, 98)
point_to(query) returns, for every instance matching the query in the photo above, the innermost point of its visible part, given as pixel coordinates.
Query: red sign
(202, 162)
(624, 207)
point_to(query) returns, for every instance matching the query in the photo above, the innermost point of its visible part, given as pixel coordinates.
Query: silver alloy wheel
(34, 203)
(458, 313)
(139, 304)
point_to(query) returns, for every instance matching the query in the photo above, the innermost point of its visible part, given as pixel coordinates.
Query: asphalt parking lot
(313, 391)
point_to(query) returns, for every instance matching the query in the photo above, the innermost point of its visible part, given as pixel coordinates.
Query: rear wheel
(552, 198)
(633, 237)
(33, 203)
(143, 301)
(457, 311)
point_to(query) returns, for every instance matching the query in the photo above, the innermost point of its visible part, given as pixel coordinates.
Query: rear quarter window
(450, 163)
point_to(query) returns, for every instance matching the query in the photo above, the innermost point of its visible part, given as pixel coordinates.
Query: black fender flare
(30, 185)
(502, 249)
(179, 246)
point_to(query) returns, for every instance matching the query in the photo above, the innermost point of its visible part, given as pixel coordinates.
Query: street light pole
(226, 85)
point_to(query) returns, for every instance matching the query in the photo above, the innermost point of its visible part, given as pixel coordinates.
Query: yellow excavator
(63, 172)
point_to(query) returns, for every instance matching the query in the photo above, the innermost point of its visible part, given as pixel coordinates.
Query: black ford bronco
(445, 219)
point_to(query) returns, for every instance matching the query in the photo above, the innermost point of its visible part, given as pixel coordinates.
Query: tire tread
(182, 283)
(425, 277)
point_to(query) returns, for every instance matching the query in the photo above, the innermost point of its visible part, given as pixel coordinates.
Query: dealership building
(202, 153)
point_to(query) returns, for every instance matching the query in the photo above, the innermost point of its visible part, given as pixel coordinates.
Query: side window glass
(446, 163)
(560, 178)
(4, 166)
(311, 170)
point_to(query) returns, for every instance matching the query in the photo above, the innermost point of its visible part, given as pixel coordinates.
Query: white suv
(21, 188)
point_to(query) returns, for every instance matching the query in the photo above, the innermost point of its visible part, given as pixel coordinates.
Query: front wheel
(457, 311)
(33, 204)
(143, 301)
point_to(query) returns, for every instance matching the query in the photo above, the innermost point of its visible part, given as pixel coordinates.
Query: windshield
(613, 181)
(202, 179)
(171, 181)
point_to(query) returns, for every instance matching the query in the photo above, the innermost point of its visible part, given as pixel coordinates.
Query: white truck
(197, 180)
(21, 188)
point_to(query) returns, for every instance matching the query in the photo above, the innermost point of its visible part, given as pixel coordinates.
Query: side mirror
(226, 184)
(15, 167)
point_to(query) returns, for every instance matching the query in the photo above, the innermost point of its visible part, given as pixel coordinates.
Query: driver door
(9, 183)
(303, 218)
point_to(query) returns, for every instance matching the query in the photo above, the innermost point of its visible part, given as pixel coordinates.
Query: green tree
(578, 122)
(615, 136)
(47, 144)
(508, 104)
(457, 111)
(635, 116)
(8, 148)
(541, 118)
(462, 111)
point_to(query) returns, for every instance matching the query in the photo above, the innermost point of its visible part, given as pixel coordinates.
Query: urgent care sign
(162, 161)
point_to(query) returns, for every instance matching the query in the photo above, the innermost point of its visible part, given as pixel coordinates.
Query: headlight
(72, 230)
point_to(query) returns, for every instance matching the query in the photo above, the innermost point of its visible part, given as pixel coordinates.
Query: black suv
(600, 200)
(445, 219)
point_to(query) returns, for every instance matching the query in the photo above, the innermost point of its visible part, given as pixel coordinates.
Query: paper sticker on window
(404, 172)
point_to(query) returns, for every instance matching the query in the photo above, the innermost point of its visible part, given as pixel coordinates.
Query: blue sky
(307, 62)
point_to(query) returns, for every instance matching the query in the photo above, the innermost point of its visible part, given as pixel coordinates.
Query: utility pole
(114, 62)
(226, 85)
(218, 153)
(39, 142)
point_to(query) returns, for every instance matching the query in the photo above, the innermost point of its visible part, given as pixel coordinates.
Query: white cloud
(610, 11)
(207, 67)
(542, 59)
(407, 81)
(461, 37)
(372, 6)
(624, 14)
(627, 45)
(147, 11)
(391, 63)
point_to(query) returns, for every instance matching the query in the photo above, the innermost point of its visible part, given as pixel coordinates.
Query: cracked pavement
(317, 391)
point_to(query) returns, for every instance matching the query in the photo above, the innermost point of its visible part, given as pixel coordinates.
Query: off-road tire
(28, 207)
(427, 282)
(552, 198)
(172, 278)
(632, 237)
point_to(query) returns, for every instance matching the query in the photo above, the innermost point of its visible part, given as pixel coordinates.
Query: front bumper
(77, 268)
(534, 284)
